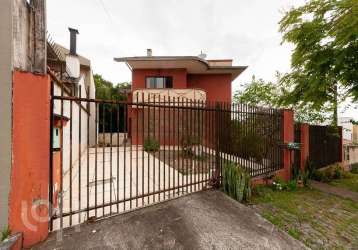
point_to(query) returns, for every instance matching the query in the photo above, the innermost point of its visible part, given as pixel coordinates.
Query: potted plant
(8, 240)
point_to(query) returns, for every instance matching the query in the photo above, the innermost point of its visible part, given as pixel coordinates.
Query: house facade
(172, 79)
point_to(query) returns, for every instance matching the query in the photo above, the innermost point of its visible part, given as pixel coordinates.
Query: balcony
(172, 97)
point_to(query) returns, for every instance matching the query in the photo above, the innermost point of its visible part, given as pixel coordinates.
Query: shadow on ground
(204, 220)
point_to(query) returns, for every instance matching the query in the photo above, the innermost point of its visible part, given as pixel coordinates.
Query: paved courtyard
(204, 220)
(117, 176)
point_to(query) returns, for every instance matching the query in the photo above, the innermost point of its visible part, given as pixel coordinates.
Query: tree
(325, 57)
(269, 94)
(111, 116)
(105, 89)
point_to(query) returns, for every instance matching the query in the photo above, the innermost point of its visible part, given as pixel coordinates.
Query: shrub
(329, 173)
(280, 185)
(5, 233)
(236, 182)
(151, 145)
(187, 144)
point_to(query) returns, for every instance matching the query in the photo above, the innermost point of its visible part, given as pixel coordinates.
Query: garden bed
(185, 164)
(319, 220)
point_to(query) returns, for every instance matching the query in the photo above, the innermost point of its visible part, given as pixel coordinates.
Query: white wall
(78, 121)
(347, 127)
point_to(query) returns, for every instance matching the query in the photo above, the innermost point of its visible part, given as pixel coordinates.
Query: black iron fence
(155, 150)
(325, 145)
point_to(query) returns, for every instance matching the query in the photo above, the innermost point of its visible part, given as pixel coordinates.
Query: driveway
(204, 220)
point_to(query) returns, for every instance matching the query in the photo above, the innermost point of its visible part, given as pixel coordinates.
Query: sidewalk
(204, 220)
(342, 192)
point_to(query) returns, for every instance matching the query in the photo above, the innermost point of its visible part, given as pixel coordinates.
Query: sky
(244, 30)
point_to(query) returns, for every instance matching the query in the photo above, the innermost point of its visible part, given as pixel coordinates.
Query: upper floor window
(159, 82)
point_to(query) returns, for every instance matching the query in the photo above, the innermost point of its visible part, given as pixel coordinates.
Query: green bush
(151, 145)
(329, 173)
(236, 182)
(5, 233)
(187, 144)
(280, 185)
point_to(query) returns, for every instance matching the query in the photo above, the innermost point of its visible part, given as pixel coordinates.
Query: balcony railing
(169, 96)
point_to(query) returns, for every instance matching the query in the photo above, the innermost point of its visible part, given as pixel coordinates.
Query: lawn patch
(319, 220)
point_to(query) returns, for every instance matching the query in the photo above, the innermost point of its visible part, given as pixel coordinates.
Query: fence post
(216, 177)
(305, 144)
(287, 136)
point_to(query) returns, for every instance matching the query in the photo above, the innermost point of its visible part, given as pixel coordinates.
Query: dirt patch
(186, 165)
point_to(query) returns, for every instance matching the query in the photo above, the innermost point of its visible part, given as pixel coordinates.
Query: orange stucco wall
(305, 145)
(287, 136)
(28, 211)
(139, 75)
(216, 86)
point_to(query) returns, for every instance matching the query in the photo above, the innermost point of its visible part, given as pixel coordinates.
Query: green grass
(319, 220)
(350, 182)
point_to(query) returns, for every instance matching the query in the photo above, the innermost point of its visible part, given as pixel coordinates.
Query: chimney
(73, 41)
(72, 60)
(149, 52)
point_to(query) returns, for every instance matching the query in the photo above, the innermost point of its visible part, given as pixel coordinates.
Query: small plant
(236, 182)
(5, 234)
(187, 144)
(151, 145)
(280, 185)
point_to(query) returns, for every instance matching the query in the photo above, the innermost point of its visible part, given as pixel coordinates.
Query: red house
(178, 77)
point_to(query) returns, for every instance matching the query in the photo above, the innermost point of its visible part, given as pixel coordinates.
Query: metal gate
(109, 157)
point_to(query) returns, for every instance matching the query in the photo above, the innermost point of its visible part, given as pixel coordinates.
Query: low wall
(351, 154)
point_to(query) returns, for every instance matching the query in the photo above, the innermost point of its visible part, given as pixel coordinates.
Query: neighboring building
(347, 128)
(355, 134)
(71, 75)
(190, 78)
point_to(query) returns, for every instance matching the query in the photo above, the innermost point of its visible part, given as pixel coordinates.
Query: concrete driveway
(204, 220)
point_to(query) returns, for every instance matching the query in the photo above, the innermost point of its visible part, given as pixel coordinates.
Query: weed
(151, 145)
(5, 233)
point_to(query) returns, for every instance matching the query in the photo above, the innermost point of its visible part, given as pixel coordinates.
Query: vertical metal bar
(184, 138)
(110, 157)
(118, 132)
(148, 138)
(160, 143)
(50, 195)
(131, 156)
(61, 167)
(125, 153)
(136, 152)
(103, 154)
(142, 131)
(181, 166)
(177, 142)
(154, 138)
(88, 148)
(173, 144)
(165, 142)
(169, 140)
(190, 135)
(70, 165)
(79, 156)
(95, 156)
